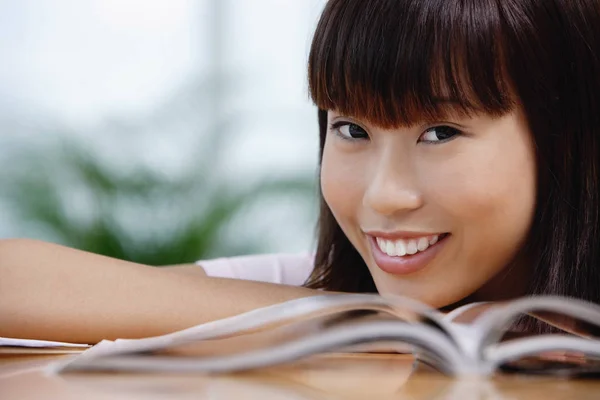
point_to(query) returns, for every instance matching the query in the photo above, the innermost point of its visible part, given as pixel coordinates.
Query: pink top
(287, 269)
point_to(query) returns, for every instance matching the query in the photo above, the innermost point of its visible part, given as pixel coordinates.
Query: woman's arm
(56, 293)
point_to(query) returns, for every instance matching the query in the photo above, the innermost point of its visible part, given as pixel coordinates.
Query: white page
(270, 316)
(36, 343)
(255, 318)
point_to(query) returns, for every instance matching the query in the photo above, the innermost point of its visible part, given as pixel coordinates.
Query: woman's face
(436, 210)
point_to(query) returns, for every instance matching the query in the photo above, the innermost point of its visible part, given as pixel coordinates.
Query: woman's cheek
(460, 194)
(480, 191)
(341, 184)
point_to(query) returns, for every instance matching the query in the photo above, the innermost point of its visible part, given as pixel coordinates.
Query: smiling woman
(458, 124)
(459, 159)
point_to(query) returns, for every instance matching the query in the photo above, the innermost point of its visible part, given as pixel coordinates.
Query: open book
(362, 322)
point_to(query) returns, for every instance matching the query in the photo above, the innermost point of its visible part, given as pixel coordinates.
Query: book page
(568, 315)
(551, 335)
(285, 332)
(12, 342)
(272, 317)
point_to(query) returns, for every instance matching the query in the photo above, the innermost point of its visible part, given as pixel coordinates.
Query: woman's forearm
(56, 293)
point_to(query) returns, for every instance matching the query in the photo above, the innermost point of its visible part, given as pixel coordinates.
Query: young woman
(460, 153)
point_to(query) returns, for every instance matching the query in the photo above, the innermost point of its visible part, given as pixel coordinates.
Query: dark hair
(390, 61)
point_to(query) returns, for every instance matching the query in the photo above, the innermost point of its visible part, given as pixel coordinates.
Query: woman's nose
(392, 189)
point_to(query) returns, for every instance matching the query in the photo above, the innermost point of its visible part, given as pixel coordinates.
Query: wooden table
(343, 376)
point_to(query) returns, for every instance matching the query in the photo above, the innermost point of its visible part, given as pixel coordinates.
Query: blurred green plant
(141, 216)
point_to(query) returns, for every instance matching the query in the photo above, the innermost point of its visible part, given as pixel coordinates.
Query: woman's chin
(430, 297)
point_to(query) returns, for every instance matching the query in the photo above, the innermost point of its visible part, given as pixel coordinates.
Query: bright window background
(141, 82)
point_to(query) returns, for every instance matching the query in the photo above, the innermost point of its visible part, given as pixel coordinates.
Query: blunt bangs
(399, 62)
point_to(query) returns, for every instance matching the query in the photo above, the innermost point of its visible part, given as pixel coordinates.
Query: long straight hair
(390, 61)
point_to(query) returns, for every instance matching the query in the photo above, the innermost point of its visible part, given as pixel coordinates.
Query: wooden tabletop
(343, 376)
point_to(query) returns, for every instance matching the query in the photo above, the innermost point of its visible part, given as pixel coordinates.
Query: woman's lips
(409, 263)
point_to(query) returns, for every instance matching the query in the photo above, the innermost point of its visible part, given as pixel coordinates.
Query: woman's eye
(439, 134)
(348, 130)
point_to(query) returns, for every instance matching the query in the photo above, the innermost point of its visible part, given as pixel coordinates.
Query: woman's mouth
(401, 256)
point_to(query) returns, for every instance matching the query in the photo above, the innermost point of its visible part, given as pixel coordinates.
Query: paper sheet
(37, 343)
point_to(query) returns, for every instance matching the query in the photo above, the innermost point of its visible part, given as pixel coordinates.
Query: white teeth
(422, 244)
(412, 247)
(390, 248)
(402, 247)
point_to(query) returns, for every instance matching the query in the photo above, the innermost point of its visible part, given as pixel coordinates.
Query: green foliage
(75, 199)
(64, 192)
